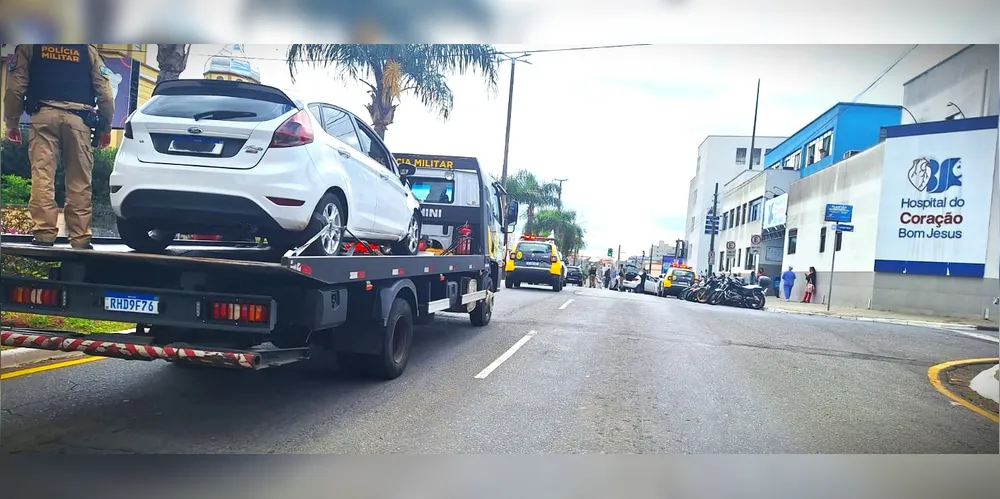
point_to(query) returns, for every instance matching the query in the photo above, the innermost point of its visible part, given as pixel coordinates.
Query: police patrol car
(535, 260)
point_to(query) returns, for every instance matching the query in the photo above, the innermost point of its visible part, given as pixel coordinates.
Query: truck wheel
(483, 312)
(142, 238)
(509, 284)
(397, 338)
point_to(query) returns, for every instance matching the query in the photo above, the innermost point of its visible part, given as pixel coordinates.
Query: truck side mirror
(512, 213)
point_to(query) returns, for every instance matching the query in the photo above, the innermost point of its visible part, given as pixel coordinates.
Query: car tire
(329, 208)
(507, 283)
(142, 238)
(411, 241)
(557, 286)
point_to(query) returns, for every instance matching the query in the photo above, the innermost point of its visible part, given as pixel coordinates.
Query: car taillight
(128, 130)
(30, 295)
(553, 259)
(295, 131)
(239, 312)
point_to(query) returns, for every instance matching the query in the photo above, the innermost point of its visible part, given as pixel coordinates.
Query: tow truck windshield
(433, 190)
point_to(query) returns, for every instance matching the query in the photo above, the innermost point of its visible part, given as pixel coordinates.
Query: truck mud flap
(129, 347)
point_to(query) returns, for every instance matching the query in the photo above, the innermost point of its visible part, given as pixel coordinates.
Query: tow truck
(238, 306)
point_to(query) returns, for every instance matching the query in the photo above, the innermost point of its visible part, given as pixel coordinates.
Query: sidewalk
(776, 305)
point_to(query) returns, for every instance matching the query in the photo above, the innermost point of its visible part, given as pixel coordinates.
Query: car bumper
(575, 279)
(532, 275)
(675, 290)
(194, 197)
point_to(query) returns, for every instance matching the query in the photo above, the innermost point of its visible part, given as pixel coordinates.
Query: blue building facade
(843, 128)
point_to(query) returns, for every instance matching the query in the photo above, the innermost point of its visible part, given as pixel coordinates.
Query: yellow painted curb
(48, 367)
(934, 374)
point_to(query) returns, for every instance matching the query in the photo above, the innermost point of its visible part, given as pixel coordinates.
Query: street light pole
(506, 141)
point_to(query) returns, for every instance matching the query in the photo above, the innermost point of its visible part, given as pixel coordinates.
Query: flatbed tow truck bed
(244, 307)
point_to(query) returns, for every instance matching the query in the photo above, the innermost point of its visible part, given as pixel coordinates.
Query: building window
(741, 155)
(748, 264)
(822, 239)
(755, 210)
(811, 153)
(722, 256)
(739, 255)
(725, 221)
(755, 157)
(793, 240)
(838, 240)
(743, 214)
(825, 143)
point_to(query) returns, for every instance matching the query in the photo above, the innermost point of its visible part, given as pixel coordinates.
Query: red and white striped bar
(131, 351)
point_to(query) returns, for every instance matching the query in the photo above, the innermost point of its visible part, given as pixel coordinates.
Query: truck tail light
(37, 295)
(239, 312)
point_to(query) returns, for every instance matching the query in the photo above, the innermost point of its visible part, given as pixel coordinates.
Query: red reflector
(286, 201)
(553, 259)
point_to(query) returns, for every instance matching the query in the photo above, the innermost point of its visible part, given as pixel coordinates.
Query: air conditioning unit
(850, 153)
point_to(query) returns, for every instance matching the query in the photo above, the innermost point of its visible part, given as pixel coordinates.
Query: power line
(863, 92)
(499, 52)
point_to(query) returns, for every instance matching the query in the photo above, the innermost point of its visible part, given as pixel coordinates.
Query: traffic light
(611, 252)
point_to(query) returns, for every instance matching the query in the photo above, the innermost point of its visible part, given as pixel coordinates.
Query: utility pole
(619, 259)
(753, 134)
(713, 214)
(650, 271)
(506, 141)
(560, 180)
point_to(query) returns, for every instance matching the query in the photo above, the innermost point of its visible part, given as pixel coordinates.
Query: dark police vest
(59, 73)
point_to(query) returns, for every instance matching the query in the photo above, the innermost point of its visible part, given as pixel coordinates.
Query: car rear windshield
(187, 106)
(433, 190)
(683, 274)
(534, 248)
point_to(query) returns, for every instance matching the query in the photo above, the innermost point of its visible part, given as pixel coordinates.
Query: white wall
(856, 181)
(968, 78)
(717, 163)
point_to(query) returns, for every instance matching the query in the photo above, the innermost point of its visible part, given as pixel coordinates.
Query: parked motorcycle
(734, 293)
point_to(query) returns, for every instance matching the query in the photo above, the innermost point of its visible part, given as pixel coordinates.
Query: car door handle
(344, 152)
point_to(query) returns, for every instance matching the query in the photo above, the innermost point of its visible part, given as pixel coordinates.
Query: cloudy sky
(623, 125)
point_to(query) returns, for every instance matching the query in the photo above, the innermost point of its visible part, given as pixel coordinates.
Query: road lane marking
(48, 367)
(934, 374)
(564, 305)
(506, 355)
(978, 336)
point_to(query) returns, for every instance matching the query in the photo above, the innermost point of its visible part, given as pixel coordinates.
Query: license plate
(199, 145)
(533, 264)
(134, 303)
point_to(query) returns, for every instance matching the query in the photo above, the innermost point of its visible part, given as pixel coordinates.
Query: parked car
(651, 286)
(214, 156)
(574, 275)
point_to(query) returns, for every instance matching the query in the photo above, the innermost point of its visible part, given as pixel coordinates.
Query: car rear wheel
(143, 238)
(328, 221)
(408, 245)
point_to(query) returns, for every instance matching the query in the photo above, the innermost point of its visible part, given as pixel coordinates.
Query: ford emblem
(195, 130)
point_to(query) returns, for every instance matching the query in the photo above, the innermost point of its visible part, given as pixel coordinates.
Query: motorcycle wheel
(703, 296)
(754, 301)
(715, 298)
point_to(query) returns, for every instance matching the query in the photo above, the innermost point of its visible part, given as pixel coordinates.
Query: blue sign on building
(839, 213)
(843, 228)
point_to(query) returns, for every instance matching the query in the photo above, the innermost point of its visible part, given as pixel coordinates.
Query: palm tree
(527, 190)
(171, 60)
(392, 70)
(563, 226)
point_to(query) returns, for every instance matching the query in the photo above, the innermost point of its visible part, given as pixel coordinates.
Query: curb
(945, 325)
(17, 357)
(988, 328)
(934, 376)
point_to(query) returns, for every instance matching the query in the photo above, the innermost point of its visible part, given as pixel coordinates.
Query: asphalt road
(607, 373)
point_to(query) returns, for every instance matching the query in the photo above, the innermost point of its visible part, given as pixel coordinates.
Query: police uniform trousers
(56, 133)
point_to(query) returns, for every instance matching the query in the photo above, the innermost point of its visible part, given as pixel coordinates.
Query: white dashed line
(506, 355)
(564, 305)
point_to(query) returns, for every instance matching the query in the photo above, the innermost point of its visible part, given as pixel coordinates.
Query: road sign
(730, 245)
(839, 213)
(711, 225)
(843, 228)
(711, 258)
(755, 240)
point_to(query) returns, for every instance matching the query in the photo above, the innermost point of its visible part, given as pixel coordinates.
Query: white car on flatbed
(213, 156)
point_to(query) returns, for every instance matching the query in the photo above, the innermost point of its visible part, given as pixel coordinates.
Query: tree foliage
(533, 194)
(389, 71)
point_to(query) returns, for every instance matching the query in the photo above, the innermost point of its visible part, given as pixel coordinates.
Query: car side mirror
(406, 170)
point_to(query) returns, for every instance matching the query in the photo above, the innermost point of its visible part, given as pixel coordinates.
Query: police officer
(58, 85)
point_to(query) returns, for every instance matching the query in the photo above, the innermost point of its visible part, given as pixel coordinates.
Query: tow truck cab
(454, 192)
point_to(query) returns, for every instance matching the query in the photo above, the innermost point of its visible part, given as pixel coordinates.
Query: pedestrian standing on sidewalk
(607, 278)
(788, 282)
(810, 285)
(593, 276)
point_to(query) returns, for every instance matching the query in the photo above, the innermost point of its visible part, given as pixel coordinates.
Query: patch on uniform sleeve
(11, 62)
(106, 72)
